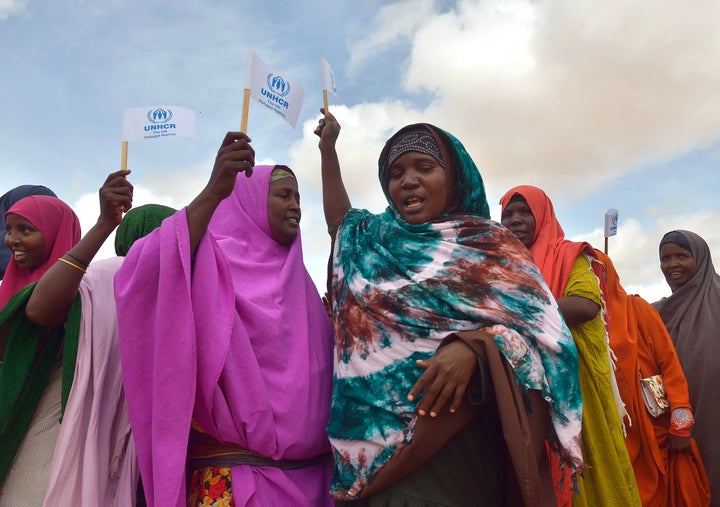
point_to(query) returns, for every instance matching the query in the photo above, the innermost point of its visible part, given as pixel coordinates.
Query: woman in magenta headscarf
(40, 229)
(223, 331)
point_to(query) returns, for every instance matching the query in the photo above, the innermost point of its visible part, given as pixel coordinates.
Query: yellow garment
(608, 478)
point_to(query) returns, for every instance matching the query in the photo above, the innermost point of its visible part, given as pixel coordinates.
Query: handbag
(653, 392)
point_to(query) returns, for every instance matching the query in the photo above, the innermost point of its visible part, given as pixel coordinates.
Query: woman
(665, 459)
(432, 284)
(78, 317)
(222, 330)
(570, 270)
(692, 316)
(8, 199)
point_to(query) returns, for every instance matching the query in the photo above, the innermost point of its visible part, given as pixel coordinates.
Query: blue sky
(601, 104)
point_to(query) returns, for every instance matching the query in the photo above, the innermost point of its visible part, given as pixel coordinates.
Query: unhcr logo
(277, 84)
(279, 88)
(160, 119)
(159, 115)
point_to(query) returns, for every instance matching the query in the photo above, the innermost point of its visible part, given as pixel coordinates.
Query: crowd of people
(453, 360)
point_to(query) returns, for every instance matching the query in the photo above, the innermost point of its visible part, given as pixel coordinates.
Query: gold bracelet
(65, 261)
(76, 259)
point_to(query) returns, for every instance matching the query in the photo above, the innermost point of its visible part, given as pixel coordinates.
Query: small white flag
(153, 122)
(328, 78)
(611, 222)
(273, 89)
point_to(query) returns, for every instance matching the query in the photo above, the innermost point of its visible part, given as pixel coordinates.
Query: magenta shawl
(237, 338)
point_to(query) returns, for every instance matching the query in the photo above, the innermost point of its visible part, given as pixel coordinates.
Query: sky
(601, 104)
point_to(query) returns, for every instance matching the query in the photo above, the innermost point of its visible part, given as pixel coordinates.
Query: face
(677, 264)
(418, 187)
(519, 219)
(284, 210)
(25, 241)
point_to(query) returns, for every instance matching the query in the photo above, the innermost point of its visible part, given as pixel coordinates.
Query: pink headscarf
(236, 337)
(61, 229)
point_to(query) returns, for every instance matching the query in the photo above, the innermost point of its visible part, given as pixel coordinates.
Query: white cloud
(393, 22)
(10, 7)
(577, 90)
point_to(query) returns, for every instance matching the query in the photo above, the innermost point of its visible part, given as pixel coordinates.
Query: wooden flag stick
(123, 156)
(245, 111)
(325, 102)
(606, 245)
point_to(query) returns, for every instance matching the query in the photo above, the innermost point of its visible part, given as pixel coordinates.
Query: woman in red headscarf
(40, 229)
(574, 276)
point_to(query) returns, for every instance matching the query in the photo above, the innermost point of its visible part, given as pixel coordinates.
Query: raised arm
(57, 288)
(335, 198)
(235, 155)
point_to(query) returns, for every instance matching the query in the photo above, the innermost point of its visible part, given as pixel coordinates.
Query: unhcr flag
(152, 122)
(328, 79)
(273, 89)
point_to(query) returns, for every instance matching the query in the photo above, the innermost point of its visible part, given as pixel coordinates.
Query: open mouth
(19, 254)
(294, 220)
(413, 202)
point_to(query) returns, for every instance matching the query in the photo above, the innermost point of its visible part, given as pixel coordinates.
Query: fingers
(236, 154)
(116, 193)
(445, 380)
(440, 389)
(421, 382)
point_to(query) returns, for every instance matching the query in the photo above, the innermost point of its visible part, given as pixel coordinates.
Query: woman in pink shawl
(226, 347)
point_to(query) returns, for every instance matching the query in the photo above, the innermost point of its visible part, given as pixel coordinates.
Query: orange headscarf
(554, 255)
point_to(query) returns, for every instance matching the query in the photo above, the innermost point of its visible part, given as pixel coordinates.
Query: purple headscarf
(236, 338)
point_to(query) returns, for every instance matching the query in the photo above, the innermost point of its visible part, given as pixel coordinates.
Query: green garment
(137, 223)
(469, 470)
(30, 353)
(608, 478)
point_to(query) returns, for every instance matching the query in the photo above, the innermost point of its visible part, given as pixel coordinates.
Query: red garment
(61, 229)
(643, 348)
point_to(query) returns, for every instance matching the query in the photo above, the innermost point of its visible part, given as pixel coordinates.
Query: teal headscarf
(467, 194)
(137, 223)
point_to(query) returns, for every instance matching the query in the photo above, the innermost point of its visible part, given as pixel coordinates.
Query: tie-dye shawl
(398, 289)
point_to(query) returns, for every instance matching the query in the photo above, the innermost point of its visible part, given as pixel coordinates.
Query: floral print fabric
(210, 486)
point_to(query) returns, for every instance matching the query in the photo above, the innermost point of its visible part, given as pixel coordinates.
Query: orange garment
(643, 348)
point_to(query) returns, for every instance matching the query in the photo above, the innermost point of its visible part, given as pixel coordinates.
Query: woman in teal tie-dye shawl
(404, 280)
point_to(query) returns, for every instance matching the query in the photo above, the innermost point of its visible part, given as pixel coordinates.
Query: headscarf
(677, 238)
(467, 191)
(138, 223)
(555, 255)
(692, 316)
(7, 200)
(398, 289)
(250, 342)
(61, 230)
